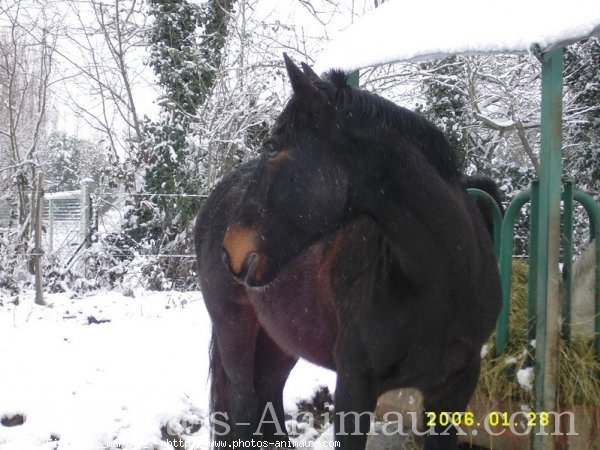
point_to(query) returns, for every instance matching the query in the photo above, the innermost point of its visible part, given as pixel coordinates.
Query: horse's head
(298, 191)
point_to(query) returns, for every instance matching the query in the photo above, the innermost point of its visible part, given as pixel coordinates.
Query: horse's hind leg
(233, 398)
(272, 368)
(248, 376)
(452, 397)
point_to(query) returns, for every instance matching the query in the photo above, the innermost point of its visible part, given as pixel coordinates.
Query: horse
(350, 242)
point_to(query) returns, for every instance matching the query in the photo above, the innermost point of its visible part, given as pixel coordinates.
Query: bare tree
(503, 94)
(105, 51)
(492, 100)
(27, 50)
(250, 86)
(248, 91)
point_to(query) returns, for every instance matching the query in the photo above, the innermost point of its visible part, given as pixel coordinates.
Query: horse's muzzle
(242, 257)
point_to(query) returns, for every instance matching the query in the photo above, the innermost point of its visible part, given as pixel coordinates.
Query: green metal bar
(548, 241)
(506, 248)
(532, 282)
(496, 215)
(353, 78)
(593, 210)
(567, 249)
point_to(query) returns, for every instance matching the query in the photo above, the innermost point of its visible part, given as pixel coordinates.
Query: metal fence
(66, 228)
(70, 218)
(64, 222)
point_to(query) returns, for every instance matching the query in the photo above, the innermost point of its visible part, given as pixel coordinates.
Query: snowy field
(109, 371)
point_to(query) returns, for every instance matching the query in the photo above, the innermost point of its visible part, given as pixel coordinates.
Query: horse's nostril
(224, 257)
(251, 263)
(251, 268)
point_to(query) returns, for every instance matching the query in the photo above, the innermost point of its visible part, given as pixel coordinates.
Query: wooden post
(37, 255)
(86, 217)
(86, 212)
(50, 231)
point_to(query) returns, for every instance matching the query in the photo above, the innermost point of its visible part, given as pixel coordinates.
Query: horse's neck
(418, 211)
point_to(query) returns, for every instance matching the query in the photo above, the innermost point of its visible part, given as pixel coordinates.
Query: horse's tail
(219, 388)
(485, 184)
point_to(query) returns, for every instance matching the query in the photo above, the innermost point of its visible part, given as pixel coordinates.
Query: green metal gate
(545, 196)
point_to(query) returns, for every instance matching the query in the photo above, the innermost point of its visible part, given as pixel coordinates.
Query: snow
(144, 367)
(64, 195)
(400, 30)
(525, 378)
(485, 349)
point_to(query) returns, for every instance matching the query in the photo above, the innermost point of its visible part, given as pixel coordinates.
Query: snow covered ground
(109, 371)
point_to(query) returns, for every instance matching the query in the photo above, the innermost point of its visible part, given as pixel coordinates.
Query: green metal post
(532, 285)
(567, 248)
(506, 248)
(548, 242)
(353, 78)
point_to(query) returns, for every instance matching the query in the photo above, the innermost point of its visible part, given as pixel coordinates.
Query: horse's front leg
(234, 400)
(355, 399)
(451, 398)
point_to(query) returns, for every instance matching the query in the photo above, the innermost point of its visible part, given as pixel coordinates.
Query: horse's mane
(372, 111)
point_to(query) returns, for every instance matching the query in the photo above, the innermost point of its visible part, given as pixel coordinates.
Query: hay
(578, 371)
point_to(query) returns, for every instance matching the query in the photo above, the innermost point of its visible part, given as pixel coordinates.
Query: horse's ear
(310, 73)
(301, 82)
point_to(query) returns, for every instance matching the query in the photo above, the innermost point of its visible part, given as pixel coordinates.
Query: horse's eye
(271, 150)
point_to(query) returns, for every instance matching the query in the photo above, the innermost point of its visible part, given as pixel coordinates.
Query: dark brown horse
(352, 243)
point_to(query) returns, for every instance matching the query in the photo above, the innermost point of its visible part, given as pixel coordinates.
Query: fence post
(50, 225)
(532, 281)
(85, 212)
(567, 259)
(548, 242)
(86, 217)
(37, 255)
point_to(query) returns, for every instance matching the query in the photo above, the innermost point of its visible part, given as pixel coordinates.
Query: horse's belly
(297, 310)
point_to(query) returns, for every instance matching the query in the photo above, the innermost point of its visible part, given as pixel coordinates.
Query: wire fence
(70, 219)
